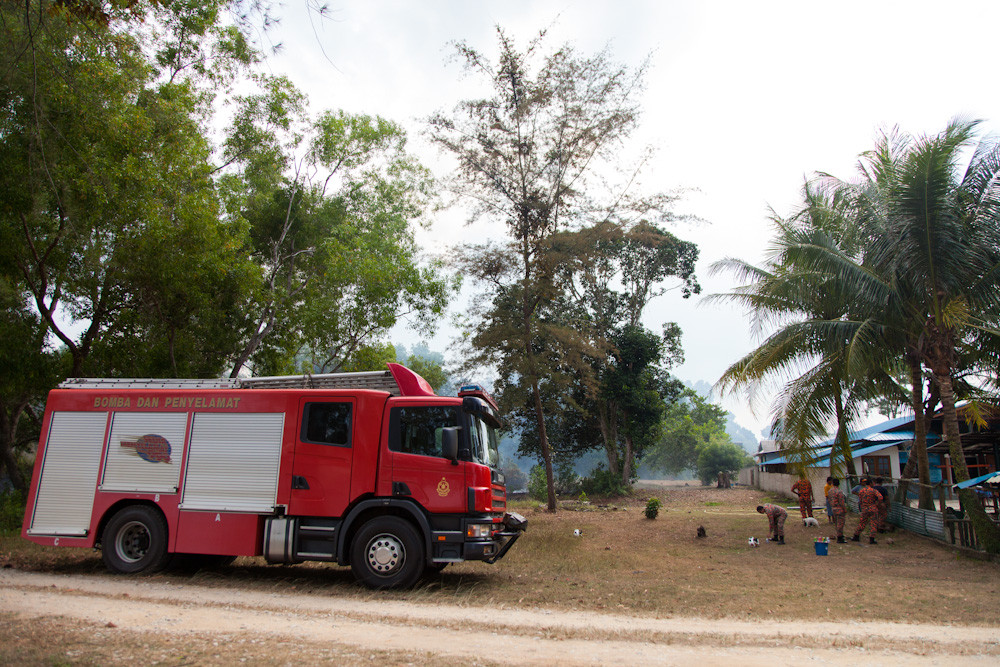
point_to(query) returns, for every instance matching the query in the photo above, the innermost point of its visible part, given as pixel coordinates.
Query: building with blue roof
(882, 450)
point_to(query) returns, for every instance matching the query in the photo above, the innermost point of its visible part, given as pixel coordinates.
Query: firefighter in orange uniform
(776, 516)
(838, 508)
(868, 503)
(804, 490)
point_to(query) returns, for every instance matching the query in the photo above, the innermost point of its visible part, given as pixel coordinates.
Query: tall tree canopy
(611, 273)
(330, 205)
(531, 155)
(136, 240)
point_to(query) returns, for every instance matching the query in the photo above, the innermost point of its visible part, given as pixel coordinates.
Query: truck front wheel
(135, 540)
(387, 552)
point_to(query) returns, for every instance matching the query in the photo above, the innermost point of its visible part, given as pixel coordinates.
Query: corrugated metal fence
(923, 522)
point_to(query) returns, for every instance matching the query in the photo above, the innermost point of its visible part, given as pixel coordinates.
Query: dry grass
(627, 563)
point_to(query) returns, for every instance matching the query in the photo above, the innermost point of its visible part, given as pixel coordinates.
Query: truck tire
(135, 540)
(387, 552)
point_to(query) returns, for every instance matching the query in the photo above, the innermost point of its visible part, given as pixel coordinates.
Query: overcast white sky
(744, 100)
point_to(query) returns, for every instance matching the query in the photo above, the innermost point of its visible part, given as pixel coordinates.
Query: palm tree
(935, 229)
(818, 345)
(916, 279)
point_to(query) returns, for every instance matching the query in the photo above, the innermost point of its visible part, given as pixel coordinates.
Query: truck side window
(327, 424)
(419, 429)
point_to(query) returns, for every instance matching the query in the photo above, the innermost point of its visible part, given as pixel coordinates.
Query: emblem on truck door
(443, 488)
(150, 447)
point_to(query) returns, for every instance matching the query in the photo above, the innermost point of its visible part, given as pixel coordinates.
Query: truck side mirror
(449, 444)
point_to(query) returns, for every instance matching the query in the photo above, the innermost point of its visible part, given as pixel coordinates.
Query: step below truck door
(321, 468)
(419, 470)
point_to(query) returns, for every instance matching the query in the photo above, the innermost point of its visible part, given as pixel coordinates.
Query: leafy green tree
(634, 393)
(146, 248)
(720, 455)
(528, 155)
(538, 487)
(689, 424)
(29, 370)
(612, 272)
(105, 172)
(330, 205)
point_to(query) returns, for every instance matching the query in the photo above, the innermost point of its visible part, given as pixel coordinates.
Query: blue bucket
(821, 548)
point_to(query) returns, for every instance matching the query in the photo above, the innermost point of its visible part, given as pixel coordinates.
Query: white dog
(753, 542)
(810, 522)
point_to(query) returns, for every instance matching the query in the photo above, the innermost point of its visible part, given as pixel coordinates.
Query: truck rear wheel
(387, 552)
(135, 540)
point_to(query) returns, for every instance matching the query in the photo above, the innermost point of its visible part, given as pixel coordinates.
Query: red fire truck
(371, 470)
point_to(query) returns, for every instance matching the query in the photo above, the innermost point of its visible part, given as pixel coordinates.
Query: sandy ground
(134, 606)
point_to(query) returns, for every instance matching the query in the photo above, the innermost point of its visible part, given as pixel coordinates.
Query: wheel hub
(133, 542)
(385, 554)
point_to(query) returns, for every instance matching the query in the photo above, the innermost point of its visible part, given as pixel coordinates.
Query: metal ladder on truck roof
(376, 380)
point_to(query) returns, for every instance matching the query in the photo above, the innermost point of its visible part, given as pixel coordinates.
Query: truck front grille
(499, 497)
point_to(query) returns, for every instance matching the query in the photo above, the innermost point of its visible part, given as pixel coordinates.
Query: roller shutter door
(68, 481)
(233, 462)
(145, 452)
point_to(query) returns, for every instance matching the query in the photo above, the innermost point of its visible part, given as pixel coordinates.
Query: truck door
(321, 468)
(418, 468)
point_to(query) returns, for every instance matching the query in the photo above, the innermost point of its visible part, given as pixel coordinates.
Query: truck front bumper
(455, 547)
(514, 526)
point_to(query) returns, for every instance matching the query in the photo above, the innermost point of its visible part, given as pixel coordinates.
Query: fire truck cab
(371, 470)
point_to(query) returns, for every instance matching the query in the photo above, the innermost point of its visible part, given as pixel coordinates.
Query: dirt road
(131, 608)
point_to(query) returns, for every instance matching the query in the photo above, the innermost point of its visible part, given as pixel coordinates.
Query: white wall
(781, 484)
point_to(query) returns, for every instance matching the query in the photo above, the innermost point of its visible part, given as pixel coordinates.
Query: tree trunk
(987, 531)
(543, 441)
(918, 450)
(628, 463)
(8, 436)
(842, 445)
(609, 433)
(905, 475)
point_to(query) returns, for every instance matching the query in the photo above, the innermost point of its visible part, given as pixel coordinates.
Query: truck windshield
(484, 443)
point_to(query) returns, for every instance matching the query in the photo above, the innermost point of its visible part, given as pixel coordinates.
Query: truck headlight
(478, 530)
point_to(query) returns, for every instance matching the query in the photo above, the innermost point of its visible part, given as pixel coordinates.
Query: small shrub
(653, 506)
(583, 497)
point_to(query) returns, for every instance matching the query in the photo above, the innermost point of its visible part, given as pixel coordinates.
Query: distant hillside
(744, 437)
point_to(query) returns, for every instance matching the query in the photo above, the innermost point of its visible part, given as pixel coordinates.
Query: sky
(744, 101)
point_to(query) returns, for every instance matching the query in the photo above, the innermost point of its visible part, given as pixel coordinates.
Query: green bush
(566, 481)
(600, 482)
(537, 488)
(11, 511)
(653, 506)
